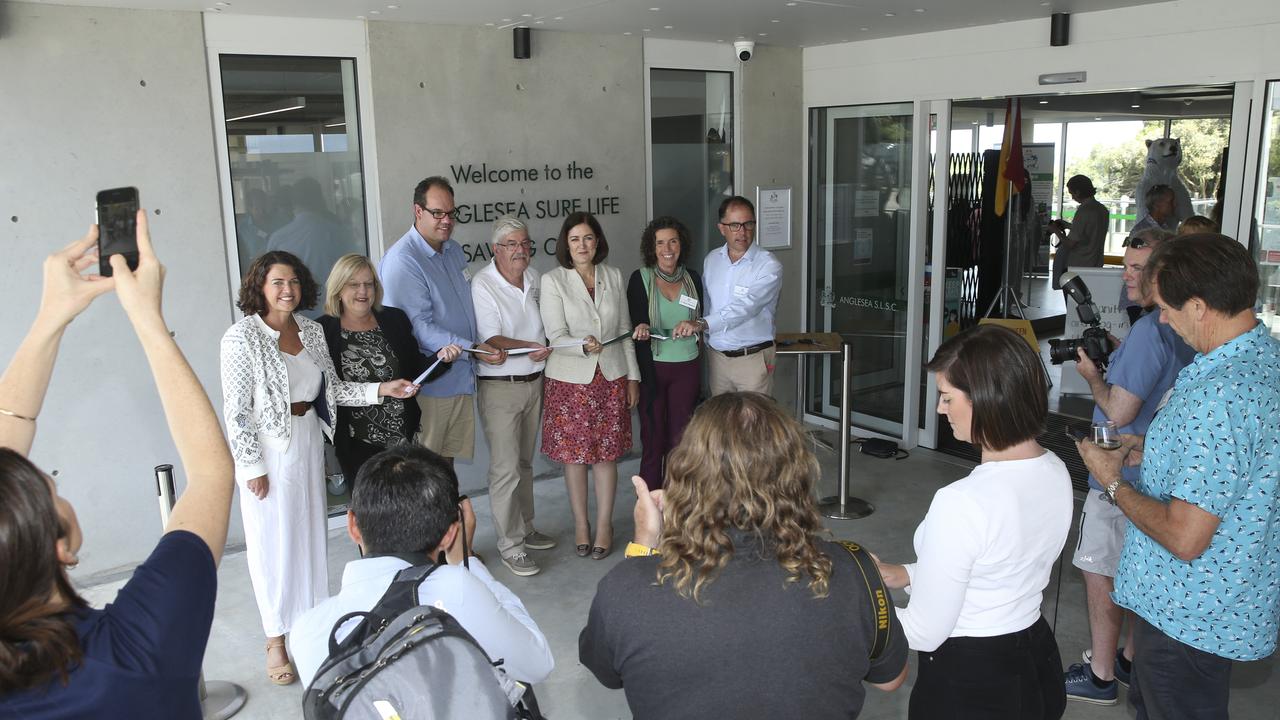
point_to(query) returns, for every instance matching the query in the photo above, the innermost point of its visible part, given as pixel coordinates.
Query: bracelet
(13, 414)
(635, 549)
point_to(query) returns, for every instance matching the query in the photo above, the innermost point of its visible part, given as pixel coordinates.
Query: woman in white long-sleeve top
(591, 383)
(988, 544)
(279, 395)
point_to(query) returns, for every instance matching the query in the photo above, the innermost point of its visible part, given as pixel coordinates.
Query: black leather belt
(299, 409)
(512, 378)
(742, 352)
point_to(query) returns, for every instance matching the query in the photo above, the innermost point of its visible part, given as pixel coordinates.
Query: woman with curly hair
(732, 602)
(280, 391)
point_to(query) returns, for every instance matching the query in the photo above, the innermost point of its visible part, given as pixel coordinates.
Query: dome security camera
(744, 49)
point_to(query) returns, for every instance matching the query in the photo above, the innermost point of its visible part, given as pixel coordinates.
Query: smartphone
(117, 227)
(1075, 433)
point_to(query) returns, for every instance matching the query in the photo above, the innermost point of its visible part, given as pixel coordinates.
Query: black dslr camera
(1095, 341)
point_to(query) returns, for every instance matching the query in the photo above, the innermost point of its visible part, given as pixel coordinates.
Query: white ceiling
(791, 23)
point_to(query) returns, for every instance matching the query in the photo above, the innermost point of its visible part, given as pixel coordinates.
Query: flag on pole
(1012, 171)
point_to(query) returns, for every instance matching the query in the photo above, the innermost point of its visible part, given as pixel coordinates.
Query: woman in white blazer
(280, 392)
(593, 381)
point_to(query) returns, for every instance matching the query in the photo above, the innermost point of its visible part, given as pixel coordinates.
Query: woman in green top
(660, 295)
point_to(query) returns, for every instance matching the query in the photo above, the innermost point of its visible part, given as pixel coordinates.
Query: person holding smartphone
(280, 393)
(140, 656)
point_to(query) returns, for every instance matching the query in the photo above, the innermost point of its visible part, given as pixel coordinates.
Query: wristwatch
(702, 324)
(1109, 493)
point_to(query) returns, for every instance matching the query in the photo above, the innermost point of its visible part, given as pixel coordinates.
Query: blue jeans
(1174, 681)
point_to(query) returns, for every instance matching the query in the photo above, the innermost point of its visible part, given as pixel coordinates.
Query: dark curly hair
(649, 240)
(252, 302)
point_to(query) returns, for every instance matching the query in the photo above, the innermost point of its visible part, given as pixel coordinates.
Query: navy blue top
(142, 653)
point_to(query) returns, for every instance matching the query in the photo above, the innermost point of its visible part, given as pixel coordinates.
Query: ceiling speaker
(1060, 29)
(523, 43)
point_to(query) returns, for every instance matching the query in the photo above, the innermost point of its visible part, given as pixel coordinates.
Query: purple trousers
(665, 408)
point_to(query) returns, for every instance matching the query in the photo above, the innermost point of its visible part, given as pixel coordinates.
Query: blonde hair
(343, 270)
(1197, 224)
(742, 464)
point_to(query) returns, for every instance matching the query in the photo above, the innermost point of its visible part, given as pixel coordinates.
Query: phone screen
(117, 226)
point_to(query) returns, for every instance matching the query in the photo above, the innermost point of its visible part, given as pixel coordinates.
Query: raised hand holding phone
(117, 211)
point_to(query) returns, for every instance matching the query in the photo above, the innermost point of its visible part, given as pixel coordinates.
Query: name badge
(688, 302)
(741, 290)
(535, 294)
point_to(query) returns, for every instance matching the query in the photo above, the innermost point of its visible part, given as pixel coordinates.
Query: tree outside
(1116, 167)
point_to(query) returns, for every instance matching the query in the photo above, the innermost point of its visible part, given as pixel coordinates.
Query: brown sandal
(281, 674)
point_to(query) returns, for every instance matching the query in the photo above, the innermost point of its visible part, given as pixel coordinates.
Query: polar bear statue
(1163, 158)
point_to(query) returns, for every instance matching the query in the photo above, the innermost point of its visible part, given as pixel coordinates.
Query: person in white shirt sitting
(406, 512)
(988, 544)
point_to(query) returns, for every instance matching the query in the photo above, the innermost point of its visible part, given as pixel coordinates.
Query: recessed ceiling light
(627, 32)
(558, 17)
(975, 122)
(360, 17)
(488, 24)
(645, 30)
(888, 14)
(538, 22)
(667, 27)
(223, 4)
(654, 9)
(774, 21)
(506, 19)
(791, 4)
(1097, 118)
(393, 7)
(1044, 4)
(375, 12)
(1044, 102)
(1135, 105)
(742, 37)
(919, 10)
(763, 34)
(863, 30)
(527, 15)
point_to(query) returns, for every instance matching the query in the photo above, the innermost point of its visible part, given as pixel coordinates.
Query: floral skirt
(585, 424)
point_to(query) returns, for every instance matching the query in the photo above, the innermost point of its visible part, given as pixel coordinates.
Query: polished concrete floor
(559, 597)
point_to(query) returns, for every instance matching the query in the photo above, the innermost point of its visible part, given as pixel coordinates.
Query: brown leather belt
(752, 350)
(299, 408)
(512, 378)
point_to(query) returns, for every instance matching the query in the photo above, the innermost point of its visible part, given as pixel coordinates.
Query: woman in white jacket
(279, 395)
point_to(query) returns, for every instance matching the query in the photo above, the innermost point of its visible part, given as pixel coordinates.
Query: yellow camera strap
(876, 591)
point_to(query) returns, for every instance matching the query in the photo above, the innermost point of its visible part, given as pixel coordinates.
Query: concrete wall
(96, 98)
(773, 154)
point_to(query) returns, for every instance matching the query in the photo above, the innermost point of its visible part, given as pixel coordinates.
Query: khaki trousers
(751, 373)
(511, 414)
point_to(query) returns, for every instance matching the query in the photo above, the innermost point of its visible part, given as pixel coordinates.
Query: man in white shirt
(505, 294)
(405, 512)
(742, 283)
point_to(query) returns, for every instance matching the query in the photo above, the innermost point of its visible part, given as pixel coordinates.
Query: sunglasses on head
(1136, 243)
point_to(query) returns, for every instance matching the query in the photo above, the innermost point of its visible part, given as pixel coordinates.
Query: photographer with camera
(1139, 373)
(1080, 242)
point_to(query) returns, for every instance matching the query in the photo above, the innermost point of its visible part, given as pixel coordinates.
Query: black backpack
(407, 661)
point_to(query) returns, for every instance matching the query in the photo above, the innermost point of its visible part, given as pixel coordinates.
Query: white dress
(285, 531)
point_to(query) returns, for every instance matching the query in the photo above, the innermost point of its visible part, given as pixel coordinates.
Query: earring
(75, 563)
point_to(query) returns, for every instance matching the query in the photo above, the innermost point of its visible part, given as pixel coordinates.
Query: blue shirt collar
(1243, 343)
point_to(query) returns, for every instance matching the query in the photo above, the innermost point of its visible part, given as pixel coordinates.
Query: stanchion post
(842, 506)
(218, 699)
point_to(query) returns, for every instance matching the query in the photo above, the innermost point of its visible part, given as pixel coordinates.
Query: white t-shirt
(506, 310)
(985, 551)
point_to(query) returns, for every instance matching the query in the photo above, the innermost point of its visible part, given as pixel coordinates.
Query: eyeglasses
(512, 246)
(1136, 243)
(441, 214)
(749, 226)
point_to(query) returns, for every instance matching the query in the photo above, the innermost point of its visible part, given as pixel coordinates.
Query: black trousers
(1173, 681)
(352, 455)
(1007, 677)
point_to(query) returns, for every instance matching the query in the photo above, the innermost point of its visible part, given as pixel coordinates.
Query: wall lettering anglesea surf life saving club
(486, 192)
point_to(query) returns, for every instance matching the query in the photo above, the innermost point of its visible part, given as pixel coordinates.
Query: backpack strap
(877, 592)
(399, 597)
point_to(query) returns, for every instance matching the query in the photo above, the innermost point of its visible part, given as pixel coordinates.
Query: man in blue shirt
(1139, 374)
(1201, 562)
(425, 274)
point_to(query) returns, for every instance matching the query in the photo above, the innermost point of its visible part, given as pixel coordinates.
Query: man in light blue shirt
(1200, 566)
(425, 274)
(742, 283)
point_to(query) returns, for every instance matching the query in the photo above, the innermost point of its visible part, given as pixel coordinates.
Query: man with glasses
(506, 293)
(1139, 373)
(742, 283)
(424, 274)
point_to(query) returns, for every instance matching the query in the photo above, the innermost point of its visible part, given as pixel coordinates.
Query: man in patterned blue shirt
(425, 274)
(1201, 561)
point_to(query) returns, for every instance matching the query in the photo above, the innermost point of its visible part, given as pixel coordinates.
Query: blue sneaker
(1079, 682)
(1121, 675)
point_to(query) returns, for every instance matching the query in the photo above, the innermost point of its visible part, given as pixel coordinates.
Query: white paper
(477, 351)
(421, 378)
(656, 336)
(523, 351)
(571, 343)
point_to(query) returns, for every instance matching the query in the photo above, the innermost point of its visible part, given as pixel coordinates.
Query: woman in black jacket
(660, 295)
(369, 342)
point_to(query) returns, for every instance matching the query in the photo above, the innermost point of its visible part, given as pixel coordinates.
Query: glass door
(860, 250)
(1265, 238)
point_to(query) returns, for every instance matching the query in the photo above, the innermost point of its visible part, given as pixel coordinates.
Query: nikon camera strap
(876, 591)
